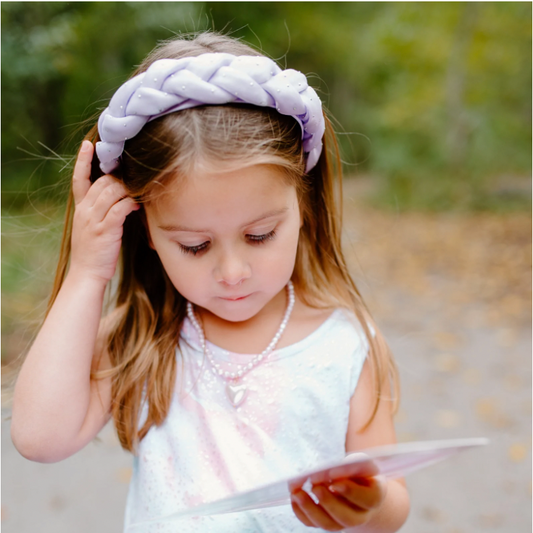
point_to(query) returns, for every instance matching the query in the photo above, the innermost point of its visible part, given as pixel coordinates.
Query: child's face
(228, 240)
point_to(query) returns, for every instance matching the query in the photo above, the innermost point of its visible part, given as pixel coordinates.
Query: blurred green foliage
(432, 99)
(30, 248)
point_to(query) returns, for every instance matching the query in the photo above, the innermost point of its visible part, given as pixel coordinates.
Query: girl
(239, 351)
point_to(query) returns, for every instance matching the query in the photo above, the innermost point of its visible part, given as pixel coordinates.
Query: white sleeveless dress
(294, 417)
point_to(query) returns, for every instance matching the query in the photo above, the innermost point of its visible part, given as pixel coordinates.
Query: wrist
(84, 278)
(390, 516)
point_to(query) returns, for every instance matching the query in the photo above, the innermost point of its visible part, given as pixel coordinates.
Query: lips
(234, 298)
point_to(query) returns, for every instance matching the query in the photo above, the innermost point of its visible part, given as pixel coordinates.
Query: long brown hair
(142, 337)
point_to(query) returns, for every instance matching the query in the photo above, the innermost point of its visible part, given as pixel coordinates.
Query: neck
(249, 336)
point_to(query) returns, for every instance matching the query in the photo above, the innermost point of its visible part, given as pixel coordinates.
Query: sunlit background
(432, 104)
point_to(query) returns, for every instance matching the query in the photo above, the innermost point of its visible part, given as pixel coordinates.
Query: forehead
(238, 194)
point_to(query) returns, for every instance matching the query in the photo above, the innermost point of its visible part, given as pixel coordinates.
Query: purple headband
(171, 85)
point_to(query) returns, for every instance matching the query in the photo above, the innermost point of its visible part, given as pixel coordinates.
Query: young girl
(238, 351)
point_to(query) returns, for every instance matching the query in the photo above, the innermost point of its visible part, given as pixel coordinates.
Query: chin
(237, 315)
(236, 311)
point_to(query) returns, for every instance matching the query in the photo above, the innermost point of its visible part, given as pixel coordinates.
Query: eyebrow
(269, 214)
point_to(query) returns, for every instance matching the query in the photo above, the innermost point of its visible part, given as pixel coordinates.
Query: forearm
(53, 390)
(391, 515)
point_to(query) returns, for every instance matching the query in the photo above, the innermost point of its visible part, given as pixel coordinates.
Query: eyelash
(255, 239)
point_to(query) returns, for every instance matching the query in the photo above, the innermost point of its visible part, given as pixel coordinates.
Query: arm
(394, 509)
(370, 504)
(57, 408)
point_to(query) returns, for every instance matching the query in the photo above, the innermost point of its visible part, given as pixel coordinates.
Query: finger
(98, 190)
(366, 493)
(315, 514)
(119, 211)
(339, 509)
(81, 181)
(299, 513)
(105, 197)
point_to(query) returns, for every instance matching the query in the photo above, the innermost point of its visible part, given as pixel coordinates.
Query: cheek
(180, 269)
(279, 260)
(187, 278)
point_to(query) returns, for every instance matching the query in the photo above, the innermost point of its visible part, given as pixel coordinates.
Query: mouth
(234, 298)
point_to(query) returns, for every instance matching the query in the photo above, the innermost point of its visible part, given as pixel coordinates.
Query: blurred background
(432, 103)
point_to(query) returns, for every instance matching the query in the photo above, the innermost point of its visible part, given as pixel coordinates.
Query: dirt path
(452, 294)
(453, 297)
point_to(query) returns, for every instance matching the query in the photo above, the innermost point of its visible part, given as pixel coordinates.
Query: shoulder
(304, 321)
(338, 322)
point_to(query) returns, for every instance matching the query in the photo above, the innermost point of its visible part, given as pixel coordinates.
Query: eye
(193, 249)
(260, 239)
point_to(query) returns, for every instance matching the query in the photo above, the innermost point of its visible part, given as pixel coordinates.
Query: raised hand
(342, 504)
(100, 211)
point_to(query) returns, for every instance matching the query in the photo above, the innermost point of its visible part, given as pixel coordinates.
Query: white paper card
(392, 461)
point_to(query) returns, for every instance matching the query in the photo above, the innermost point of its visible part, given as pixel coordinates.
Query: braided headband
(171, 85)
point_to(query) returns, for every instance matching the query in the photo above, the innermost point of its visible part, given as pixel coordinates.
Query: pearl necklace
(237, 392)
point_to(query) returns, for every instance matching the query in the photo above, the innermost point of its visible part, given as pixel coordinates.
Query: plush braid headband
(171, 85)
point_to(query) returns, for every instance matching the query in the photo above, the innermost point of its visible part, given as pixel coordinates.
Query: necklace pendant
(236, 393)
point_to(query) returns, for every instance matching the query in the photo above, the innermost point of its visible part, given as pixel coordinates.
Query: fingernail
(85, 146)
(337, 487)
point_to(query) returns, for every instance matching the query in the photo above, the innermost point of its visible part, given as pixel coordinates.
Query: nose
(232, 269)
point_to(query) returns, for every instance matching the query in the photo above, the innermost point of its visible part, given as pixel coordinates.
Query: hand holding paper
(343, 502)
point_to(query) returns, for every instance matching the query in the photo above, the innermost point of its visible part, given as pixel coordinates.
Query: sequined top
(294, 417)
